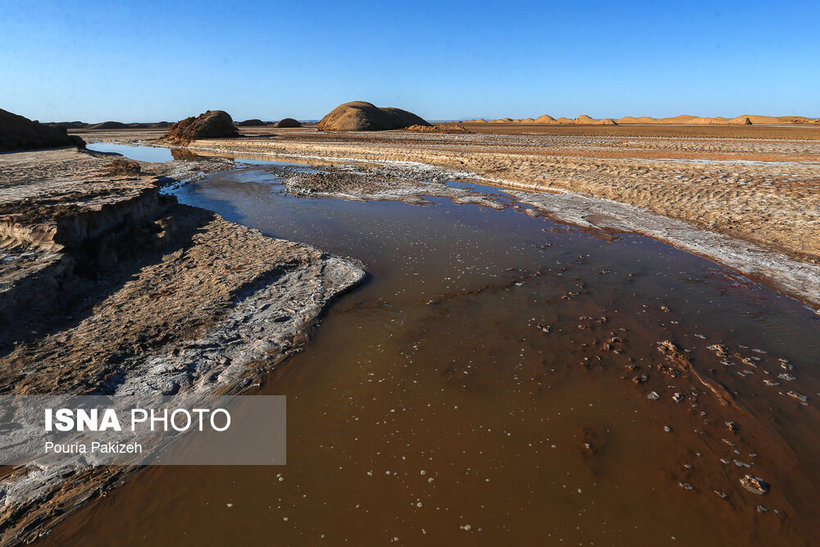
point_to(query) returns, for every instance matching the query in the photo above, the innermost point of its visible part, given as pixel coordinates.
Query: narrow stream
(479, 388)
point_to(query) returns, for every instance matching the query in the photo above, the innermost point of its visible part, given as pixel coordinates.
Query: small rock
(755, 485)
(677, 397)
(799, 397)
(653, 395)
(686, 485)
(667, 429)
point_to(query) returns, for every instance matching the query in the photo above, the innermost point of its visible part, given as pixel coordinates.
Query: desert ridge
(683, 119)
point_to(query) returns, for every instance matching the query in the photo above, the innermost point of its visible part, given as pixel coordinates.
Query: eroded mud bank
(111, 287)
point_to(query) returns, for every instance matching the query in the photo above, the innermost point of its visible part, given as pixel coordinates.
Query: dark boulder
(20, 133)
(288, 122)
(213, 124)
(362, 116)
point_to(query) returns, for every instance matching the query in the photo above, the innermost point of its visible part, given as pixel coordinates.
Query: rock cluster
(20, 133)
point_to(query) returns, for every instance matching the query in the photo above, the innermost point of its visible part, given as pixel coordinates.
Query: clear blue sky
(149, 61)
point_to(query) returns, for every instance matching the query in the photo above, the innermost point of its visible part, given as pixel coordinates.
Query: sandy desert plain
(487, 331)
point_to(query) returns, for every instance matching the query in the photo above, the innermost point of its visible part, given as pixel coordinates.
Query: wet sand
(492, 382)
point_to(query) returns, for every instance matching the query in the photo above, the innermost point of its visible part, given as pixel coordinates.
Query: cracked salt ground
(444, 399)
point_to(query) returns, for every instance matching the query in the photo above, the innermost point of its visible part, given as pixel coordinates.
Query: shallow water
(432, 406)
(139, 153)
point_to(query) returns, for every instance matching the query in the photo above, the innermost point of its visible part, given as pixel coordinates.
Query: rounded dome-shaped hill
(109, 125)
(364, 116)
(253, 122)
(288, 122)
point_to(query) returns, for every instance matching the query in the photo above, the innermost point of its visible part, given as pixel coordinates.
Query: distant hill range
(746, 119)
(110, 125)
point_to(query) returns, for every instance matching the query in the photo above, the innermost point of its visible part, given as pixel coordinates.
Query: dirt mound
(253, 122)
(583, 119)
(288, 122)
(363, 116)
(20, 133)
(546, 118)
(123, 167)
(213, 124)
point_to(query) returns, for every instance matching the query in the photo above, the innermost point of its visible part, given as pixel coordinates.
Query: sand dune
(683, 119)
(745, 119)
(546, 119)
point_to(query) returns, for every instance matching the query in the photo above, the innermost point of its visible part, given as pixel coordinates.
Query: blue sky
(149, 61)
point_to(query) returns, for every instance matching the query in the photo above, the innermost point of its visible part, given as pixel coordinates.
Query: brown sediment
(772, 433)
(486, 350)
(684, 365)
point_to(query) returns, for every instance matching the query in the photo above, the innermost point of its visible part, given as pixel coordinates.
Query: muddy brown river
(499, 379)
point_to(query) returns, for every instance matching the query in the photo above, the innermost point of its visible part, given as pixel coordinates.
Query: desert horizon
(681, 119)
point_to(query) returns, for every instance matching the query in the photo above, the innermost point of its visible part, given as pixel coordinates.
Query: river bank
(103, 277)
